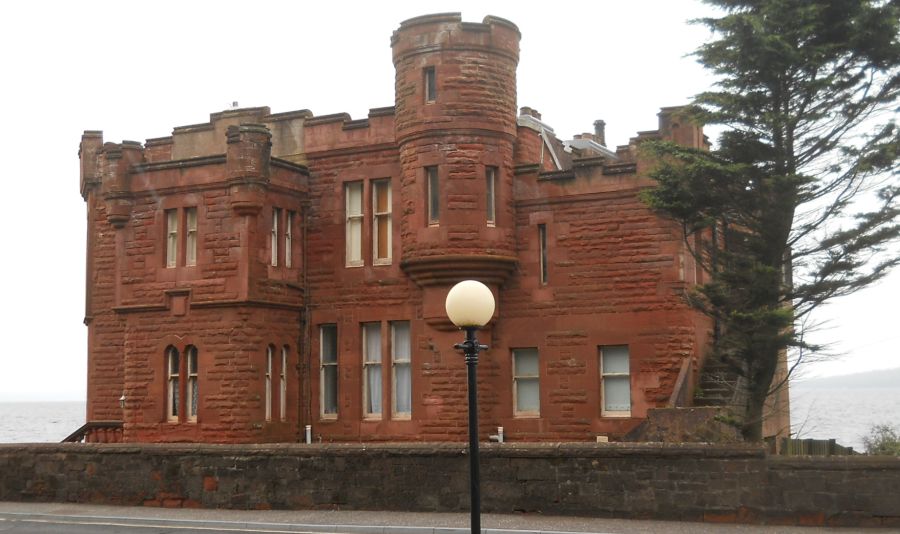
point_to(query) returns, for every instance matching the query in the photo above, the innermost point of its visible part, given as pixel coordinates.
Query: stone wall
(685, 482)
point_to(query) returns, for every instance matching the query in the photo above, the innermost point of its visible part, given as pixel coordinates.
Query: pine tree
(808, 93)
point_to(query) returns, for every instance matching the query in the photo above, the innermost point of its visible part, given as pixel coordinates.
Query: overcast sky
(137, 69)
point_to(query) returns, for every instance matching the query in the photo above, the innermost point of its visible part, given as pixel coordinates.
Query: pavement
(359, 522)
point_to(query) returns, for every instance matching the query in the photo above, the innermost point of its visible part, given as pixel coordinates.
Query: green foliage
(883, 439)
(808, 90)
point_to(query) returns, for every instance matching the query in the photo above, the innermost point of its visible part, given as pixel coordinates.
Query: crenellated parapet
(247, 166)
(116, 163)
(474, 74)
(89, 157)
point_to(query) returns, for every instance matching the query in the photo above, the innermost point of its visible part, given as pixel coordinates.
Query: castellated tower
(260, 274)
(455, 126)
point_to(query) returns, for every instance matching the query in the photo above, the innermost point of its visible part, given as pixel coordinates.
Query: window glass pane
(372, 333)
(282, 396)
(615, 359)
(434, 204)
(269, 383)
(382, 237)
(430, 86)
(190, 246)
(526, 362)
(353, 192)
(382, 196)
(373, 389)
(617, 393)
(354, 240)
(195, 397)
(276, 216)
(354, 198)
(329, 344)
(528, 397)
(288, 239)
(542, 241)
(171, 237)
(176, 399)
(401, 343)
(173, 362)
(402, 388)
(192, 360)
(490, 173)
(400, 350)
(329, 389)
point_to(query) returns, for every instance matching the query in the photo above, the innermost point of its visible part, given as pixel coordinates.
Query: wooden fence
(809, 447)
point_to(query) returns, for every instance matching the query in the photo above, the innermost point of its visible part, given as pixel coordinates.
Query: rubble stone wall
(683, 482)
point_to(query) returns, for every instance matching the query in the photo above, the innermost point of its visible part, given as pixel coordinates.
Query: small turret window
(430, 84)
(434, 195)
(490, 174)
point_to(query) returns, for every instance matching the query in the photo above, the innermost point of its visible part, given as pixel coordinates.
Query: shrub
(883, 439)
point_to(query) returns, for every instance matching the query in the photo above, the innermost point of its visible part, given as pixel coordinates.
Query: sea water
(39, 422)
(845, 414)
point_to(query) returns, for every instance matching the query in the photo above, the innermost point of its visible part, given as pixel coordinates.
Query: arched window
(269, 354)
(173, 387)
(282, 393)
(193, 388)
(182, 396)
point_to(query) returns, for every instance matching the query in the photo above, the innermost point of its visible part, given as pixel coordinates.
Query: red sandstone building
(263, 272)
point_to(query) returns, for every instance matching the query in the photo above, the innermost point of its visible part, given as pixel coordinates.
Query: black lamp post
(470, 305)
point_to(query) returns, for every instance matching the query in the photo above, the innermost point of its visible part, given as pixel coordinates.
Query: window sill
(527, 415)
(619, 415)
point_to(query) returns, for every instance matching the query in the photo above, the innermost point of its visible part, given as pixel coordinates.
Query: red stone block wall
(232, 345)
(616, 272)
(469, 125)
(105, 327)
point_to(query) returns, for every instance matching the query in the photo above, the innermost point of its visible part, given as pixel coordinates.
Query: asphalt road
(50, 518)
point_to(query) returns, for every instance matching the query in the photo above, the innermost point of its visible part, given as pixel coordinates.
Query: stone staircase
(719, 385)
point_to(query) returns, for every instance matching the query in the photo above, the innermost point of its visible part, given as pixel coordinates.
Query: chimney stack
(600, 131)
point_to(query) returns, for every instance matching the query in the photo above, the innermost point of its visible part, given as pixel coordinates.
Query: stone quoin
(262, 272)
